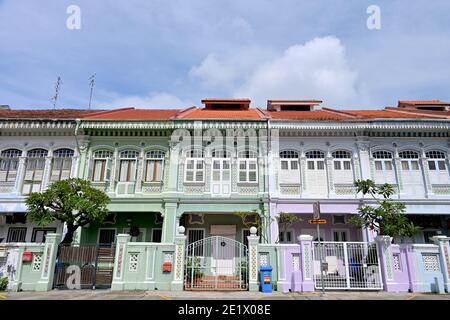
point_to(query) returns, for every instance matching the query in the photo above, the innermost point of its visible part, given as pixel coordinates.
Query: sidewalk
(190, 295)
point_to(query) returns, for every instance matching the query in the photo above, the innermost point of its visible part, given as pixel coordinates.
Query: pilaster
(169, 222)
(444, 254)
(306, 250)
(119, 262)
(49, 260)
(253, 241)
(180, 245)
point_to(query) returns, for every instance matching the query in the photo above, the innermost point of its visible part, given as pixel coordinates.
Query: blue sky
(173, 53)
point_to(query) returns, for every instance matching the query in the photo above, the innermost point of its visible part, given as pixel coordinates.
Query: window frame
(409, 160)
(313, 158)
(63, 158)
(342, 157)
(159, 158)
(289, 157)
(432, 157)
(248, 157)
(130, 157)
(104, 157)
(383, 157)
(8, 159)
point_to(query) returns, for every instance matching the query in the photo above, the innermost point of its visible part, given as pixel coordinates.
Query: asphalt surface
(190, 295)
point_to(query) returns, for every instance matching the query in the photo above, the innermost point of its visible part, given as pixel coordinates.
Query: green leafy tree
(387, 216)
(73, 201)
(253, 219)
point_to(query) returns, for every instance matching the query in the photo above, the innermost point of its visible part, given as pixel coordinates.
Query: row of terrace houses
(197, 167)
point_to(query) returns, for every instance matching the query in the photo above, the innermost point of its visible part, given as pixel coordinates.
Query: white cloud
(318, 69)
(156, 100)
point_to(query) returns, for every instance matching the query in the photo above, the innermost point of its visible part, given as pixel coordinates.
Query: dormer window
(226, 104)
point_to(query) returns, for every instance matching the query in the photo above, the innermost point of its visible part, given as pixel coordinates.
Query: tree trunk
(68, 238)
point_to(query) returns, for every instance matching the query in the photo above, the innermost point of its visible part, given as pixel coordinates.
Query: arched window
(9, 162)
(61, 164)
(102, 165)
(315, 160)
(128, 161)
(383, 160)
(436, 160)
(195, 166)
(248, 166)
(34, 170)
(154, 166)
(342, 160)
(289, 160)
(409, 160)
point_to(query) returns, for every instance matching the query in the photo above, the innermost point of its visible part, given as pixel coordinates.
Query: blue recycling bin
(265, 272)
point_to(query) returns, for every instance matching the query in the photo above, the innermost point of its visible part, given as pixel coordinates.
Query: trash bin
(265, 273)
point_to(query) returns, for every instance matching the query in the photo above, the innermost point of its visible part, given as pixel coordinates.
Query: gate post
(253, 241)
(45, 283)
(119, 262)
(180, 245)
(444, 248)
(306, 250)
(385, 258)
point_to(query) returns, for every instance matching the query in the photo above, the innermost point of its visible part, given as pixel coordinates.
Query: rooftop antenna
(57, 88)
(91, 84)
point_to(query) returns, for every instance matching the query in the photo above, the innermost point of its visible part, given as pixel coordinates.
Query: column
(47, 171)
(329, 167)
(253, 241)
(20, 175)
(385, 260)
(306, 264)
(364, 157)
(444, 255)
(52, 241)
(17, 283)
(304, 186)
(173, 167)
(169, 222)
(119, 262)
(180, 244)
(272, 163)
(140, 172)
(426, 174)
(398, 172)
(114, 168)
(274, 228)
(81, 170)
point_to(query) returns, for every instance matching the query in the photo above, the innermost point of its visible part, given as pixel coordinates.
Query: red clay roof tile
(46, 114)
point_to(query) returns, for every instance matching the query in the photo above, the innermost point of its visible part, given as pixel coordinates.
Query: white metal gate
(216, 263)
(347, 265)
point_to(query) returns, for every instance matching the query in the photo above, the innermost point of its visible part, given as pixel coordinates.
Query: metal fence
(216, 263)
(96, 263)
(346, 265)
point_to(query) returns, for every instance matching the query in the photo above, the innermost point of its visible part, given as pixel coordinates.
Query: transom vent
(226, 104)
(292, 105)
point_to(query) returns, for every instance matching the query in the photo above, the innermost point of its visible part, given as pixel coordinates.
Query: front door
(222, 254)
(221, 178)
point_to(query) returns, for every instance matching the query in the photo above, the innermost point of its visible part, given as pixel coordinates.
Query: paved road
(167, 295)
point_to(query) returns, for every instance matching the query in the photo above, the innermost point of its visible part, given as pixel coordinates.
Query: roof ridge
(262, 113)
(184, 112)
(341, 112)
(109, 111)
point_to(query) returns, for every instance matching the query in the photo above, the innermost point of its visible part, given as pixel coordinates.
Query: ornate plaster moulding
(172, 125)
(353, 125)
